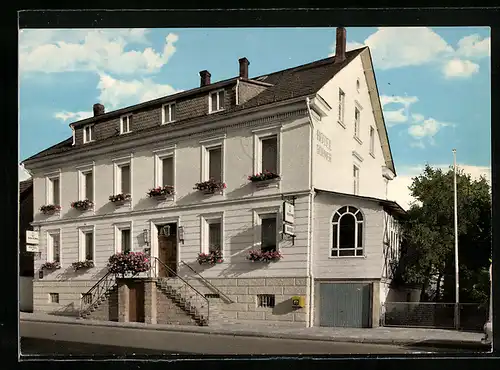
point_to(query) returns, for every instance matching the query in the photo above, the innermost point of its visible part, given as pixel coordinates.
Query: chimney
(205, 78)
(244, 63)
(340, 45)
(98, 109)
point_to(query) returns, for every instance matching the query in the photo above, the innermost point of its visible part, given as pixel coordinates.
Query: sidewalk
(382, 335)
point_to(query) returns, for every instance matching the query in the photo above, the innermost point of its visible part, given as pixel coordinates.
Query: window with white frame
(86, 243)
(167, 171)
(211, 233)
(269, 150)
(88, 133)
(168, 113)
(341, 106)
(372, 141)
(355, 174)
(53, 190)
(123, 237)
(268, 232)
(215, 163)
(54, 246)
(122, 172)
(357, 118)
(216, 101)
(347, 232)
(126, 124)
(86, 177)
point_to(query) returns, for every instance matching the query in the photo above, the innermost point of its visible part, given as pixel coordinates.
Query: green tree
(428, 234)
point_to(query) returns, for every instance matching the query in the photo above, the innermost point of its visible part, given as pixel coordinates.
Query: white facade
(315, 151)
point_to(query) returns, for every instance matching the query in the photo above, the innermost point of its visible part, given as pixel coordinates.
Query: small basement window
(54, 297)
(266, 300)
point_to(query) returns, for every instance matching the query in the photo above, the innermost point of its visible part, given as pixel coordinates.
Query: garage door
(346, 305)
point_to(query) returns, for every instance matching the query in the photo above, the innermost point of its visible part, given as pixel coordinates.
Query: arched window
(347, 232)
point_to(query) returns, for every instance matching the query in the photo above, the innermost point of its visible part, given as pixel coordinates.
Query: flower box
(210, 187)
(161, 192)
(131, 263)
(51, 265)
(210, 258)
(120, 199)
(83, 205)
(259, 256)
(264, 176)
(50, 209)
(82, 265)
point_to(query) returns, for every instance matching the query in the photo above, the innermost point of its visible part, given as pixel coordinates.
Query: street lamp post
(455, 212)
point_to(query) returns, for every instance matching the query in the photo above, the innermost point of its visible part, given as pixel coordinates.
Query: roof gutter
(309, 272)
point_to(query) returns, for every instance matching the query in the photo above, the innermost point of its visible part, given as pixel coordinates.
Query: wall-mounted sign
(288, 212)
(32, 248)
(32, 237)
(288, 230)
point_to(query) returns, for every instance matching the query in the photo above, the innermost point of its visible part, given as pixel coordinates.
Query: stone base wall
(243, 292)
(167, 312)
(108, 309)
(70, 293)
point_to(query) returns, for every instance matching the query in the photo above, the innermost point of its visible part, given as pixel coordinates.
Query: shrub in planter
(119, 197)
(82, 205)
(50, 208)
(263, 176)
(210, 186)
(210, 258)
(51, 265)
(161, 191)
(128, 263)
(79, 265)
(259, 256)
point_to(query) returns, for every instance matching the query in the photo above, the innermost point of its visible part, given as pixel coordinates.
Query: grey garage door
(346, 305)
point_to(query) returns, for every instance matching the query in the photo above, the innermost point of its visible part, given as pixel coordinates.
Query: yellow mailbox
(298, 301)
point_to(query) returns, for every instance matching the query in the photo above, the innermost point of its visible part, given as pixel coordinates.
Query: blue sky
(434, 82)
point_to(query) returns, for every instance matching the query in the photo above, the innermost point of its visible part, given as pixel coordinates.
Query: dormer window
(169, 113)
(125, 124)
(216, 101)
(88, 133)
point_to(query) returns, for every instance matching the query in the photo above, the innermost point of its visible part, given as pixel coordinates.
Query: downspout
(310, 319)
(237, 91)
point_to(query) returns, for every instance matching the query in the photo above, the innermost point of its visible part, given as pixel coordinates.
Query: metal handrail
(208, 282)
(184, 281)
(97, 291)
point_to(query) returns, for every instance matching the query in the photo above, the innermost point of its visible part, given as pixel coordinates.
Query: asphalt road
(86, 339)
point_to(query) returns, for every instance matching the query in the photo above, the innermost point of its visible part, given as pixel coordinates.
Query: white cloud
(23, 173)
(393, 117)
(74, 116)
(352, 45)
(396, 47)
(117, 93)
(417, 117)
(460, 68)
(472, 46)
(428, 128)
(398, 188)
(405, 100)
(91, 50)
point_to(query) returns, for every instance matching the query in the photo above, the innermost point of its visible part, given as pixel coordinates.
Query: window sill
(125, 133)
(273, 183)
(88, 141)
(168, 122)
(216, 111)
(341, 257)
(357, 139)
(341, 124)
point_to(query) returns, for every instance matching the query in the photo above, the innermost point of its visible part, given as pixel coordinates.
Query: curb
(245, 333)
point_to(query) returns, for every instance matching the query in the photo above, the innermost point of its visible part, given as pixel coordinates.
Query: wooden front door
(136, 302)
(167, 253)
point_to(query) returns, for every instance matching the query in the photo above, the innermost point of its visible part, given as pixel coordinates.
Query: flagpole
(455, 214)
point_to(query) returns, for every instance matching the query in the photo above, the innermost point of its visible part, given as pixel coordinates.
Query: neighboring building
(25, 258)
(319, 126)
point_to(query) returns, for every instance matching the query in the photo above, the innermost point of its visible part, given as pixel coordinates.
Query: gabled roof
(25, 187)
(301, 81)
(389, 205)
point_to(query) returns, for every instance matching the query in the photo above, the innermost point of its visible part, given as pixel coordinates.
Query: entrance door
(345, 305)
(167, 253)
(136, 302)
